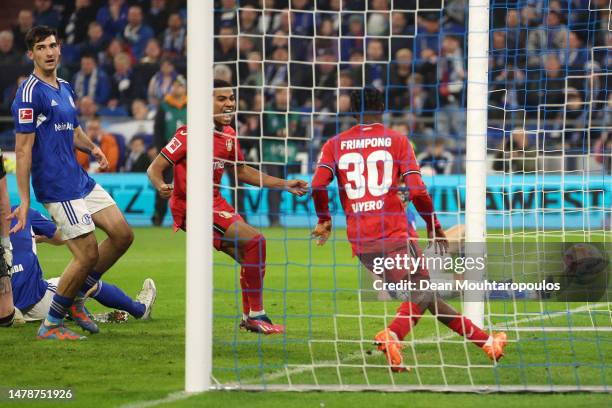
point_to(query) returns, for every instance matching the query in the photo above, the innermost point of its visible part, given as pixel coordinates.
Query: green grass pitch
(144, 361)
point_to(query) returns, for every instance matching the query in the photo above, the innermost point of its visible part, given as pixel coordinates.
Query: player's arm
(156, 175)
(45, 231)
(23, 152)
(84, 144)
(418, 194)
(321, 179)
(5, 212)
(254, 177)
(55, 240)
(7, 309)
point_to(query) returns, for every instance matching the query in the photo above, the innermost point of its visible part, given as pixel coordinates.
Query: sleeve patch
(26, 115)
(173, 145)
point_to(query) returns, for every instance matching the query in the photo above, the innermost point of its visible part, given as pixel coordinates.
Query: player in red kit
(370, 161)
(232, 234)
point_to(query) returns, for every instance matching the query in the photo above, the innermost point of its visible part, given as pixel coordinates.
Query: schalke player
(370, 160)
(48, 131)
(33, 294)
(232, 234)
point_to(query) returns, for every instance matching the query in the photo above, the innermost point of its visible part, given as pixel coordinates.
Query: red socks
(252, 274)
(408, 315)
(464, 327)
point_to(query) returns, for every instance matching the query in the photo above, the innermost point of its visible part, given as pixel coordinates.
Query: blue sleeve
(26, 108)
(75, 98)
(41, 224)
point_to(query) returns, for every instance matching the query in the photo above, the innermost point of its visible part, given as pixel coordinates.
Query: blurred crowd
(294, 62)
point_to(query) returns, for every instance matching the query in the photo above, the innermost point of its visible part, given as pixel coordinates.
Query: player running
(232, 234)
(33, 294)
(48, 131)
(370, 160)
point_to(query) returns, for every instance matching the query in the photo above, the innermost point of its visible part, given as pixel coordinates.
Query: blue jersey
(27, 280)
(51, 114)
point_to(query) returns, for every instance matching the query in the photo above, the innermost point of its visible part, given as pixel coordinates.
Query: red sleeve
(239, 154)
(176, 149)
(321, 179)
(417, 190)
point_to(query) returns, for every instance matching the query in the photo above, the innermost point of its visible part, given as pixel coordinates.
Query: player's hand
(297, 187)
(437, 237)
(21, 214)
(321, 232)
(100, 157)
(165, 191)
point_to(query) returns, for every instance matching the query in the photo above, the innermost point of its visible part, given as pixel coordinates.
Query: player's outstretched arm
(254, 177)
(84, 144)
(23, 151)
(56, 239)
(321, 179)
(156, 176)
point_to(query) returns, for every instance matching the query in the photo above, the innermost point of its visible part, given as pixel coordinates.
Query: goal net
(536, 179)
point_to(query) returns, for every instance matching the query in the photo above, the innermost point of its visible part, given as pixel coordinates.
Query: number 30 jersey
(370, 161)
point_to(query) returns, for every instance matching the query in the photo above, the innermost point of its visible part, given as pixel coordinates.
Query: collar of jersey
(59, 84)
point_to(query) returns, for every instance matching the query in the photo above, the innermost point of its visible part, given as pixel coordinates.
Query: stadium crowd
(294, 64)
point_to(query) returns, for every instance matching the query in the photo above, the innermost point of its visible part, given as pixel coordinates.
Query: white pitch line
(181, 395)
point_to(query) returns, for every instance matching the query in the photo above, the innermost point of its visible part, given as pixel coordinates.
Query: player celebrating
(48, 130)
(232, 234)
(370, 161)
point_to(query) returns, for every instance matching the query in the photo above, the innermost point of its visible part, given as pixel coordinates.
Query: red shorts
(411, 249)
(178, 208)
(224, 215)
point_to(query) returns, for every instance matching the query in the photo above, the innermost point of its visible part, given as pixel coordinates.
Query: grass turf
(312, 291)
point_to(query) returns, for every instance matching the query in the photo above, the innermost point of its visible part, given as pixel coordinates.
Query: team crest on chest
(229, 143)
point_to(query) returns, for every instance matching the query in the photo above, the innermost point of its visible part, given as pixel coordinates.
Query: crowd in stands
(124, 59)
(295, 63)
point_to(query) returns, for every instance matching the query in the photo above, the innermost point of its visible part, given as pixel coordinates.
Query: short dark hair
(368, 100)
(38, 34)
(221, 83)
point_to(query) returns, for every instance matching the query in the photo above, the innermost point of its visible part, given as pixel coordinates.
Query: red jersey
(369, 162)
(226, 152)
(176, 153)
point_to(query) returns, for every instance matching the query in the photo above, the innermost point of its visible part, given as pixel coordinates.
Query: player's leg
(112, 296)
(84, 249)
(247, 246)
(492, 345)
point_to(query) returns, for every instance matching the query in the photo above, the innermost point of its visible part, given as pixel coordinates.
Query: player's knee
(123, 238)
(89, 257)
(424, 299)
(7, 321)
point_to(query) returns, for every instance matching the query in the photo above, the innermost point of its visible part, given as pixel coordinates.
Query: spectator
(8, 54)
(44, 14)
(124, 87)
(171, 114)
(249, 20)
(113, 17)
(574, 55)
(140, 110)
(88, 109)
(95, 43)
(225, 16)
(551, 88)
(355, 42)
(108, 145)
(137, 161)
(548, 36)
(450, 116)
(437, 159)
(25, 21)
(92, 81)
(107, 59)
(276, 72)
(76, 25)
(225, 49)
(157, 16)
(161, 82)
(223, 72)
(136, 34)
(174, 37)
(376, 66)
(428, 33)
(399, 31)
(253, 75)
(515, 155)
(378, 18)
(152, 52)
(9, 95)
(399, 77)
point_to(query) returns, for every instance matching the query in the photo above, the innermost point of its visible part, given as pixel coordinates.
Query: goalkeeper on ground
(370, 161)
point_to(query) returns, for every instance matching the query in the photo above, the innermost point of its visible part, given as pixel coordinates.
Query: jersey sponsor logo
(53, 103)
(59, 127)
(218, 165)
(225, 214)
(173, 145)
(26, 115)
(16, 268)
(40, 119)
(229, 143)
(86, 219)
